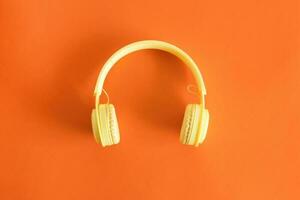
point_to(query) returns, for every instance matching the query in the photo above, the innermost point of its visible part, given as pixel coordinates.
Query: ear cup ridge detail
(191, 124)
(195, 124)
(186, 125)
(106, 130)
(113, 124)
(107, 123)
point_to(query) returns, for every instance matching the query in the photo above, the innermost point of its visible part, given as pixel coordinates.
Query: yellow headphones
(196, 117)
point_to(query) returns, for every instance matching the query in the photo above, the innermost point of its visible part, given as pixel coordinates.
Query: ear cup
(106, 128)
(195, 123)
(190, 124)
(203, 127)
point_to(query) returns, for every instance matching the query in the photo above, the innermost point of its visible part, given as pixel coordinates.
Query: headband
(150, 44)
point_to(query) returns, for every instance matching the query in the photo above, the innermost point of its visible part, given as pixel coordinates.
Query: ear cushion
(194, 125)
(190, 126)
(106, 129)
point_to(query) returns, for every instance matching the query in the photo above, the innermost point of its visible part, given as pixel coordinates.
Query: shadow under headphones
(104, 120)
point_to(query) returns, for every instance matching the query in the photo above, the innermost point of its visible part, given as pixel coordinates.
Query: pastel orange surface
(50, 56)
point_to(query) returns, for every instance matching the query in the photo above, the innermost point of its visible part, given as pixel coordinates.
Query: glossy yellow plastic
(196, 118)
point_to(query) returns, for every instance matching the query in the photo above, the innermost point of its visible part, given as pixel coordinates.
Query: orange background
(50, 56)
